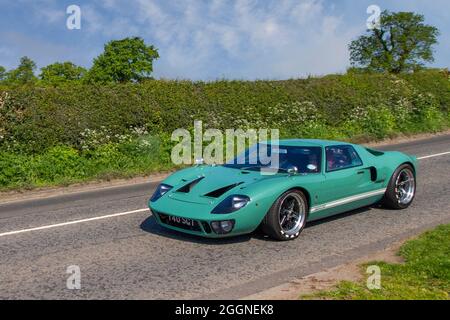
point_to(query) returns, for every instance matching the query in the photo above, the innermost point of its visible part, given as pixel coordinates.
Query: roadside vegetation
(70, 124)
(80, 132)
(424, 275)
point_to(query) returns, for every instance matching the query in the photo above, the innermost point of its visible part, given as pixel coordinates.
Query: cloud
(270, 39)
(106, 20)
(266, 39)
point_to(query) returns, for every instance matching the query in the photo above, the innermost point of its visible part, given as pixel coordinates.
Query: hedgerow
(77, 132)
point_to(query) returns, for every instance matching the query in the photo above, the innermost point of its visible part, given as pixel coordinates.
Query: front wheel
(401, 189)
(287, 216)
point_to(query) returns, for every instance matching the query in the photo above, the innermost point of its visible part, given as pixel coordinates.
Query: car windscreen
(305, 159)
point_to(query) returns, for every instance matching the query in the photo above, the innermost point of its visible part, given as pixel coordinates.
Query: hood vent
(219, 192)
(188, 187)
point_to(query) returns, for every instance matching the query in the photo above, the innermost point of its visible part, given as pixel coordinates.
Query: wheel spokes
(283, 220)
(404, 182)
(291, 205)
(291, 214)
(405, 186)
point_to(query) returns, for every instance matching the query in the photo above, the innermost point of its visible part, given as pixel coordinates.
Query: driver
(313, 163)
(331, 162)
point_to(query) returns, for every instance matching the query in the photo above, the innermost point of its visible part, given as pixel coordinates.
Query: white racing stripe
(72, 222)
(51, 226)
(434, 156)
(347, 200)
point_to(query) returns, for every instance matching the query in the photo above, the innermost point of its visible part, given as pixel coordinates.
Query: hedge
(54, 135)
(34, 119)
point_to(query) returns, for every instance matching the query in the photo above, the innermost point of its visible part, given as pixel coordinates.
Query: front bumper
(202, 228)
(244, 221)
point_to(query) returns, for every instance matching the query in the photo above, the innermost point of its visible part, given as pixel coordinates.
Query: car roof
(310, 143)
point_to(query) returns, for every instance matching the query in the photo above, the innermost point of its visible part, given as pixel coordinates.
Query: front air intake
(219, 192)
(188, 187)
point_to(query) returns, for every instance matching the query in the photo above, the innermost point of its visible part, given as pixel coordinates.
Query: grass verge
(425, 275)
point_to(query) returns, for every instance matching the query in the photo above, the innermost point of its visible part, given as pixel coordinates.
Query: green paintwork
(328, 193)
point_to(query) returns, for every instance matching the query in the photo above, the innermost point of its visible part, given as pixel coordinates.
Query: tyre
(401, 189)
(287, 216)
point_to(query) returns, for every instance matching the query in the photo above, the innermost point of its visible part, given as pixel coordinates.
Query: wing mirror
(199, 161)
(292, 171)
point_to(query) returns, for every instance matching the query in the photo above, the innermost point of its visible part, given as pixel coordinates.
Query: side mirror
(292, 170)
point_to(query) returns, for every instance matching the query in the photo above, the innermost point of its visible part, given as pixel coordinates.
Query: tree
(24, 72)
(57, 73)
(402, 43)
(124, 60)
(2, 73)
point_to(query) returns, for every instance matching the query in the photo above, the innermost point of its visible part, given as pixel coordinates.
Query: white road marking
(51, 226)
(72, 222)
(434, 155)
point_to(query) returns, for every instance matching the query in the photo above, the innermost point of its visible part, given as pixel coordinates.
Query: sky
(207, 39)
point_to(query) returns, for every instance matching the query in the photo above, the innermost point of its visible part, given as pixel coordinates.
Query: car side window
(305, 159)
(342, 157)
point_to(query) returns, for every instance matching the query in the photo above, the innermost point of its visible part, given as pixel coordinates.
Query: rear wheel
(287, 216)
(401, 189)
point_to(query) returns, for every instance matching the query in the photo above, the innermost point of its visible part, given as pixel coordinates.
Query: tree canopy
(2, 73)
(61, 72)
(402, 43)
(127, 60)
(24, 73)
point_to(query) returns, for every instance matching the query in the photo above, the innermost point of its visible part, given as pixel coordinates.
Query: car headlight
(231, 204)
(160, 191)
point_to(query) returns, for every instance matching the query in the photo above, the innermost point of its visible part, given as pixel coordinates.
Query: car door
(345, 178)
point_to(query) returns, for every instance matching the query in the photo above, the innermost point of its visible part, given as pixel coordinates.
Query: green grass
(63, 166)
(424, 275)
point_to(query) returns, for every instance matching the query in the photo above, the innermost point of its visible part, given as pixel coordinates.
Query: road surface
(123, 254)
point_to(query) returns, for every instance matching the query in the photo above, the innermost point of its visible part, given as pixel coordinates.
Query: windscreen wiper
(251, 167)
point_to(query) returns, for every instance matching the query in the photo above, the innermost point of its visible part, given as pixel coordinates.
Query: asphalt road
(129, 257)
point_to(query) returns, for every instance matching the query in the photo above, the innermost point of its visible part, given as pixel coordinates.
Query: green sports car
(313, 179)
